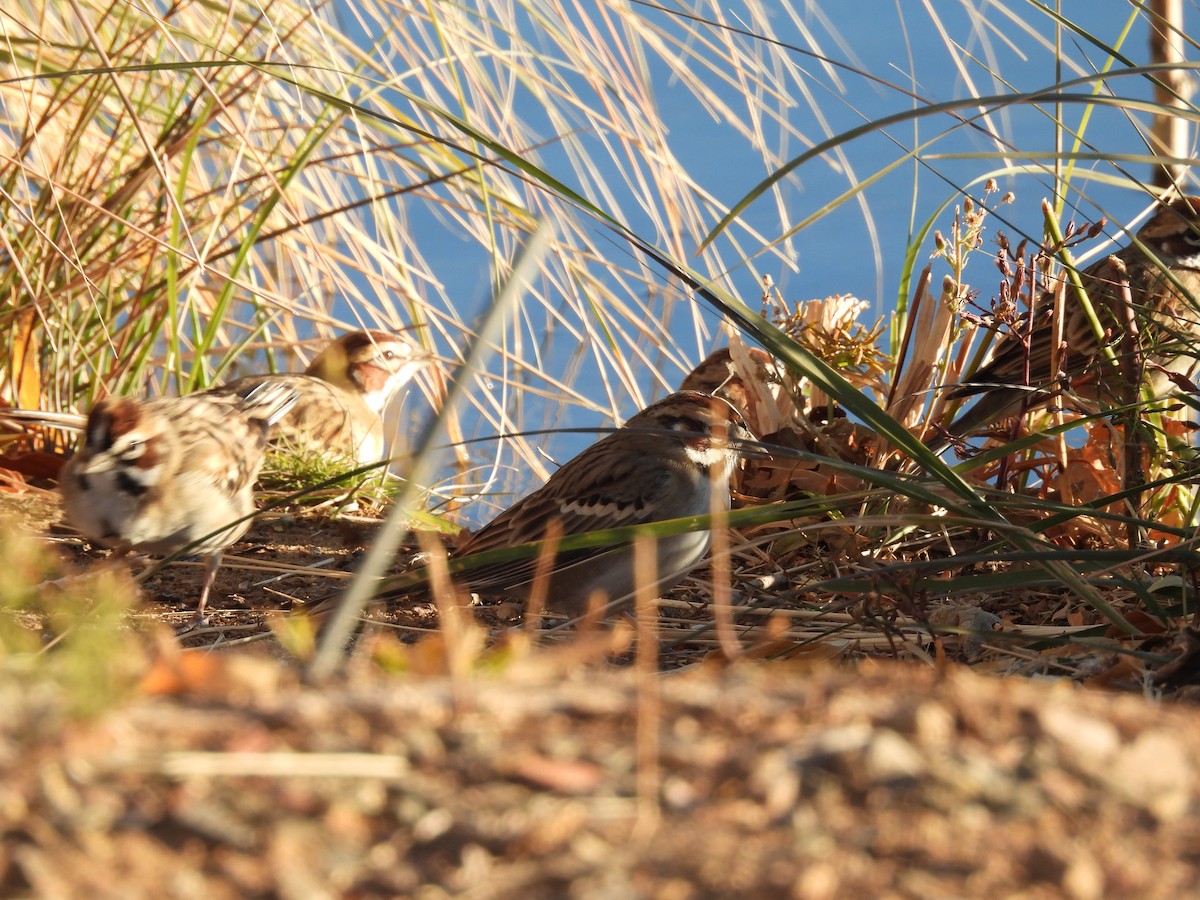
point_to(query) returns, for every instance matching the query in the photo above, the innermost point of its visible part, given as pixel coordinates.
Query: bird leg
(212, 562)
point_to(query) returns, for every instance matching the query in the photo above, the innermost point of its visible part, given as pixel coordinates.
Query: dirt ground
(566, 771)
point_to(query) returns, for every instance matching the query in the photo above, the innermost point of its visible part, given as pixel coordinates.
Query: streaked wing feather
(1007, 366)
(208, 426)
(326, 419)
(598, 490)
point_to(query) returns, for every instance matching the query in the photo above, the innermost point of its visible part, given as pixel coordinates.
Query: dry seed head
(767, 286)
(950, 293)
(1004, 308)
(830, 330)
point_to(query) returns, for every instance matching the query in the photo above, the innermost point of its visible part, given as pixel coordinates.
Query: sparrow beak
(418, 360)
(752, 448)
(744, 441)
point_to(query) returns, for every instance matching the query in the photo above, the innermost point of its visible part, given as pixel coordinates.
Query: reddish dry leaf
(1184, 669)
(564, 776)
(11, 481)
(25, 387)
(1142, 621)
(34, 465)
(179, 673)
(1124, 669)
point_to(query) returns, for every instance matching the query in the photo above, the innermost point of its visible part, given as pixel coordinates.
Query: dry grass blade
(395, 528)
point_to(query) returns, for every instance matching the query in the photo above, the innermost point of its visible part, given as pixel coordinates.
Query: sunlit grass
(60, 628)
(180, 192)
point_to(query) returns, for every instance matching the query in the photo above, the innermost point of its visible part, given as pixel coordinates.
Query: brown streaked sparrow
(160, 475)
(1162, 270)
(755, 384)
(341, 396)
(717, 374)
(664, 463)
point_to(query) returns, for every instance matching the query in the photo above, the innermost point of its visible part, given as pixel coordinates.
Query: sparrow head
(709, 427)
(1173, 233)
(120, 436)
(374, 364)
(718, 375)
(722, 377)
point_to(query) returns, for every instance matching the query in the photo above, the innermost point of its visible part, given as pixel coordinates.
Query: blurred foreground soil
(764, 780)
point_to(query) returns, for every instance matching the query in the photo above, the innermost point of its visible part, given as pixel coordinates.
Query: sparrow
(717, 374)
(161, 475)
(340, 397)
(1162, 270)
(754, 382)
(671, 460)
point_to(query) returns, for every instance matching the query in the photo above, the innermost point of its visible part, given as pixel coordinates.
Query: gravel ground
(543, 780)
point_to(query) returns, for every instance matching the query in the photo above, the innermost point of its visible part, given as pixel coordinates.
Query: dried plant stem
(544, 565)
(396, 526)
(1130, 379)
(719, 569)
(199, 764)
(649, 701)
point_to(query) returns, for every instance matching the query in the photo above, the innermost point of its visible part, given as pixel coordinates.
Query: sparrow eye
(688, 425)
